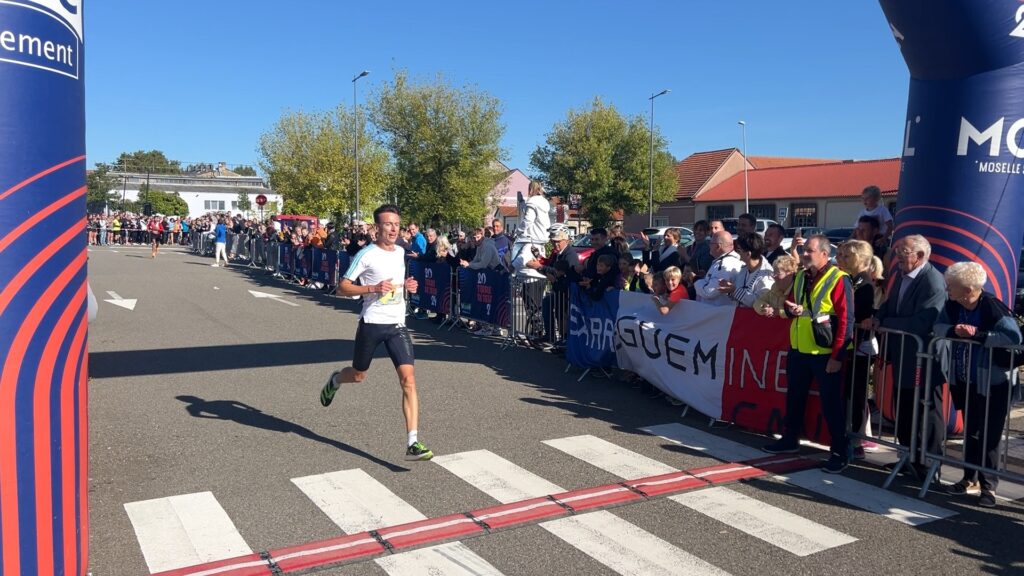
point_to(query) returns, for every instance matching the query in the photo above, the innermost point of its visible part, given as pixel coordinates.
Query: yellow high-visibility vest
(801, 335)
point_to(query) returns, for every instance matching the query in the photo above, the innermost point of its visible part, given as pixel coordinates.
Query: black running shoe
(417, 451)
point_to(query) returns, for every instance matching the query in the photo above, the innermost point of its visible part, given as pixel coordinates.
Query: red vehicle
(582, 249)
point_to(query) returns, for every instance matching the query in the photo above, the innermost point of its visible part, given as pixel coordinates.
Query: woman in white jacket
(532, 231)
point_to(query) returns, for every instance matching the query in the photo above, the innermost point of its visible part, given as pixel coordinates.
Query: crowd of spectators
(831, 300)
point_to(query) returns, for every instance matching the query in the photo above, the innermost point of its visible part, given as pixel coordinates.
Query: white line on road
(356, 502)
(116, 300)
(498, 478)
(709, 444)
(626, 548)
(185, 530)
(901, 508)
(276, 297)
(610, 457)
(776, 526)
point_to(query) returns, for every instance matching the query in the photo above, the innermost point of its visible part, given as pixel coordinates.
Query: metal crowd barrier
(884, 373)
(526, 320)
(984, 403)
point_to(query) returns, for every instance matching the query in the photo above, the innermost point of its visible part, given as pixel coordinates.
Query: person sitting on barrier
(605, 280)
(675, 291)
(979, 373)
(912, 306)
(857, 259)
(698, 253)
(486, 257)
(819, 335)
(723, 269)
(771, 303)
(755, 278)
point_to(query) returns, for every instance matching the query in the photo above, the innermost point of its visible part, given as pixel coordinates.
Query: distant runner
(380, 270)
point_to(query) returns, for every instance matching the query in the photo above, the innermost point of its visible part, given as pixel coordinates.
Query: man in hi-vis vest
(821, 305)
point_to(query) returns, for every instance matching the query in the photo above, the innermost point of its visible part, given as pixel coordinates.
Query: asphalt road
(205, 388)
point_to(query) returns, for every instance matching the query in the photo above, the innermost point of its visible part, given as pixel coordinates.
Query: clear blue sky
(202, 80)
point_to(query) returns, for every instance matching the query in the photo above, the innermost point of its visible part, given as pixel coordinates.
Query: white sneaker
(215, 265)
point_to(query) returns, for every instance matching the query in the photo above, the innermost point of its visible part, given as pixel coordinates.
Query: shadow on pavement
(241, 413)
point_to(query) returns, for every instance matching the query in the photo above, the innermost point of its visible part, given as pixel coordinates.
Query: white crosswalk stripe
(627, 548)
(895, 506)
(355, 502)
(185, 530)
(778, 527)
(774, 525)
(709, 444)
(616, 543)
(610, 457)
(495, 476)
(865, 496)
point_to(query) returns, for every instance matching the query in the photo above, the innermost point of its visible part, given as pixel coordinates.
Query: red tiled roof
(696, 169)
(508, 211)
(832, 180)
(762, 162)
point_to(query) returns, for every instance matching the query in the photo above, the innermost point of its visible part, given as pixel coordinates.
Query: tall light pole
(355, 141)
(746, 187)
(650, 191)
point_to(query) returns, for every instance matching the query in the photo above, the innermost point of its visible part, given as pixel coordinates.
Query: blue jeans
(801, 369)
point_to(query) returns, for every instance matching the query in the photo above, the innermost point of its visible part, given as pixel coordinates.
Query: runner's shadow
(242, 413)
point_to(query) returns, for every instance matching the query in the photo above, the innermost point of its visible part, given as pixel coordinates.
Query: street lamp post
(358, 129)
(650, 191)
(746, 188)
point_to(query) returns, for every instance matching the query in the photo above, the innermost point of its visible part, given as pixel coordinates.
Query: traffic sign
(261, 200)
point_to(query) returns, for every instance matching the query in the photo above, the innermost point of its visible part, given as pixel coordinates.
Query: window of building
(765, 211)
(661, 220)
(720, 211)
(805, 215)
(213, 205)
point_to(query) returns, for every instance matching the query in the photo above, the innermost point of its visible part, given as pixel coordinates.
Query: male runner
(380, 268)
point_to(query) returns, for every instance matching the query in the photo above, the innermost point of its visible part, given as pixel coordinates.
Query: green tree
(153, 161)
(244, 204)
(445, 144)
(244, 170)
(99, 193)
(604, 158)
(308, 159)
(166, 203)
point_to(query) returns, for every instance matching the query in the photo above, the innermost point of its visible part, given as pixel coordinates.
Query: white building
(216, 190)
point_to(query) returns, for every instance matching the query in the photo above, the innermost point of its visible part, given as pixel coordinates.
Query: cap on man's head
(559, 235)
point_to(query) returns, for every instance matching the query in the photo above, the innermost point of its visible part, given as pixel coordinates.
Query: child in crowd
(606, 279)
(675, 291)
(872, 198)
(771, 302)
(689, 277)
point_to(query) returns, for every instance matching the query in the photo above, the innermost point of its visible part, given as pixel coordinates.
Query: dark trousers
(801, 369)
(982, 437)
(933, 419)
(858, 371)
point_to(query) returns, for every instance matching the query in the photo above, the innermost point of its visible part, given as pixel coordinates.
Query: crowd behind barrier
(712, 326)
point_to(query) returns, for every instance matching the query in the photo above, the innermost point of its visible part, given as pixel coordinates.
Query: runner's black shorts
(395, 338)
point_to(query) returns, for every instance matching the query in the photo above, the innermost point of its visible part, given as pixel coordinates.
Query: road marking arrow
(272, 297)
(123, 303)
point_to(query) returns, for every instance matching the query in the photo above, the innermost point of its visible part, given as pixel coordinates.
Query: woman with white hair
(979, 372)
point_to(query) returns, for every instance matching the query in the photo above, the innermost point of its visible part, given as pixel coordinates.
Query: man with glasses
(821, 306)
(913, 305)
(722, 272)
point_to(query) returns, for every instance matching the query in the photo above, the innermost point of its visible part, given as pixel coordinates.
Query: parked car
(656, 233)
(805, 231)
(731, 225)
(581, 250)
(839, 235)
